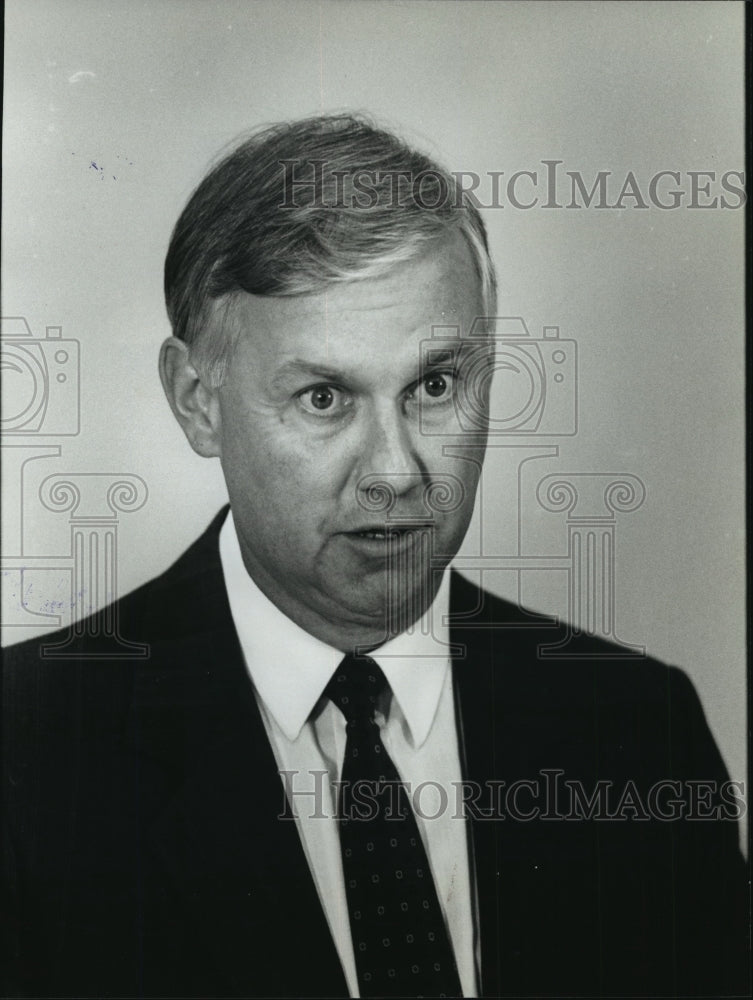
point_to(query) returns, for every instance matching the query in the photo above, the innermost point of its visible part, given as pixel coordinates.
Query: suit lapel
(475, 706)
(249, 884)
(498, 706)
(213, 817)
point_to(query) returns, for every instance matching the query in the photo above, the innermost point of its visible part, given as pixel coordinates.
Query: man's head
(303, 280)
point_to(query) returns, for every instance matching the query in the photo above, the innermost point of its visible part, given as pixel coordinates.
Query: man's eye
(322, 400)
(438, 385)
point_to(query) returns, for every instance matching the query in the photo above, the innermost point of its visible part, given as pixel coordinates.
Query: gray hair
(300, 206)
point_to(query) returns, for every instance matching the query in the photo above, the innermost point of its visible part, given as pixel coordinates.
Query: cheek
(279, 485)
(256, 445)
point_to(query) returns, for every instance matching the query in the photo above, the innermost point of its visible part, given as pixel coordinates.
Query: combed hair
(300, 206)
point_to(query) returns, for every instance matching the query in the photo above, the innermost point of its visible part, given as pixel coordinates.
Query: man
(241, 813)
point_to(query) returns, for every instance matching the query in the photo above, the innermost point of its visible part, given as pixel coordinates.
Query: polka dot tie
(400, 941)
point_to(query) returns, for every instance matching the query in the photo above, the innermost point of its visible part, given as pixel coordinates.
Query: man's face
(326, 397)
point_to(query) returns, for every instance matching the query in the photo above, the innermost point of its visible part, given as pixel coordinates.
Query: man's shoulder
(80, 686)
(119, 632)
(539, 659)
(535, 683)
(515, 631)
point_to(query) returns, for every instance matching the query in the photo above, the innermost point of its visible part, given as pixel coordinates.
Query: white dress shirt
(289, 669)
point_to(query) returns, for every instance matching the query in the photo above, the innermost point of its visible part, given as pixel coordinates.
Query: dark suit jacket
(145, 856)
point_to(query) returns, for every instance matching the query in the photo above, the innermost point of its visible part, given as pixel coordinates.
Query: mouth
(377, 546)
(389, 533)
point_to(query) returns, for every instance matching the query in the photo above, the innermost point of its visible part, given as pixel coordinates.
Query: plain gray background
(149, 92)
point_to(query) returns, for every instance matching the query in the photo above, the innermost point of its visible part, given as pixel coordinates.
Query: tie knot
(355, 687)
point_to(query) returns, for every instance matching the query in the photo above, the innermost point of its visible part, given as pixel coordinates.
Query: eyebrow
(321, 372)
(298, 366)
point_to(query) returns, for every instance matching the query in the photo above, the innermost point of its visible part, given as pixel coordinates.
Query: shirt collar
(291, 668)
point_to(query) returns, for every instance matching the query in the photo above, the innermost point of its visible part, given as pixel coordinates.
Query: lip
(391, 529)
(381, 539)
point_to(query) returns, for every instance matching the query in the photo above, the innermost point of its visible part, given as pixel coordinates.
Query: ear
(195, 405)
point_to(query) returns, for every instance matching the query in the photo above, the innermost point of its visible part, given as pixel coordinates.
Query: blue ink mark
(52, 607)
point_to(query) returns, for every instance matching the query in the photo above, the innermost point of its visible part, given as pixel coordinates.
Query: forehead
(364, 320)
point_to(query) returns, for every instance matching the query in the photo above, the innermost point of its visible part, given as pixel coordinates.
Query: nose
(391, 452)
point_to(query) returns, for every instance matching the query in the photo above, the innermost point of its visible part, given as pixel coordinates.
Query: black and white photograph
(373, 512)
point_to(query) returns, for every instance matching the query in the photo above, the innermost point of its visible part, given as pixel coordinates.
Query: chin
(378, 609)
(396, 615)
